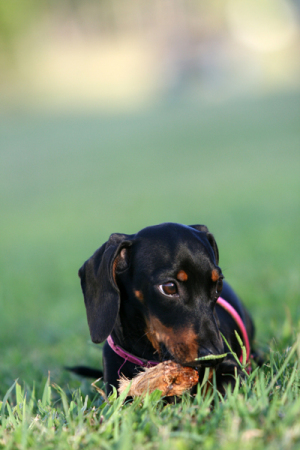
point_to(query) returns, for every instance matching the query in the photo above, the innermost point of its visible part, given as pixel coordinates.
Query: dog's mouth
(205, 358)
(183, 345)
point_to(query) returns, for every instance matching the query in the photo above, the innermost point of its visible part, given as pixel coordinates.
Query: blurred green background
(114, 117)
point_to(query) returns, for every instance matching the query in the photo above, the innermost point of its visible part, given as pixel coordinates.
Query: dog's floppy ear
(98, 283)
(210, 239)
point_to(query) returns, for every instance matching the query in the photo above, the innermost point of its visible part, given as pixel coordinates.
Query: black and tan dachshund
(153, 297)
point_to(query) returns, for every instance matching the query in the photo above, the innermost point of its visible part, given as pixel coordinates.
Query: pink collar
(237, 318)
(145, 363)
(129, 356)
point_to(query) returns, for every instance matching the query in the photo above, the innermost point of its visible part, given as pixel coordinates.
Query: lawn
(67, 182)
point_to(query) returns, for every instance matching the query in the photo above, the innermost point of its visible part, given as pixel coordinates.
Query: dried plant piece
(169, 377)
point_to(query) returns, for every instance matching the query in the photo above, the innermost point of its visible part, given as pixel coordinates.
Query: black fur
(123, 285)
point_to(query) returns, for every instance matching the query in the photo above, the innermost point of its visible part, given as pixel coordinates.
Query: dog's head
(163, 282)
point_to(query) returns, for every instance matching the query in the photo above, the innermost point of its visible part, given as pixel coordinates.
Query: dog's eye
(169, 288)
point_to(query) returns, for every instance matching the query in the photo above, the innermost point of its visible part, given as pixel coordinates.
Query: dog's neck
(129, 356)
(134, 342)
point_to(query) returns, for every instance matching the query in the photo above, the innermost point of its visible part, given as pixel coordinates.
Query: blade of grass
(46, 398)
(244, 351)
(11, 416)
(19, 399)
(100, 391)
(205, 377)
(235, 356)
(290, 383)
(3, 419)
(24, 425)
(64, 400)
(283, 367)
(210, 357)
(32, 400)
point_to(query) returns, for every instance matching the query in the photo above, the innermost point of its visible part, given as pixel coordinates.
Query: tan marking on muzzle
(182, 343)
(151, 335)
(182, 275)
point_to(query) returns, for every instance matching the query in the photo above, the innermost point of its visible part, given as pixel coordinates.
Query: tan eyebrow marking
(215, 275)
(182, 275)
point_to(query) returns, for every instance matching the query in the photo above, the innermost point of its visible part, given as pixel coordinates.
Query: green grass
(66, 183)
